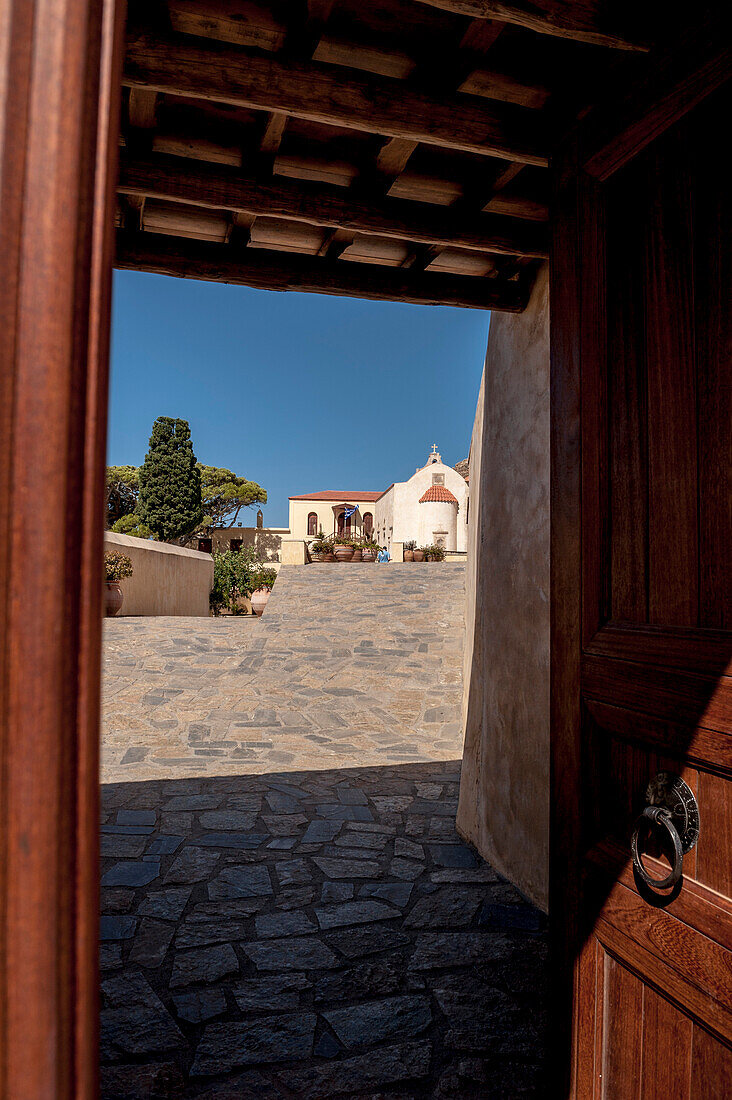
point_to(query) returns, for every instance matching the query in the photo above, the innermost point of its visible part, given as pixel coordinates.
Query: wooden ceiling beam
(244, 23)
(142, 109)
(327, 94)
(580, 22)
(277, 271)
(329, 207)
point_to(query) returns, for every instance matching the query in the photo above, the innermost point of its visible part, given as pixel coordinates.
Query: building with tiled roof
(334, 512)
(438, 494)
(431, 508)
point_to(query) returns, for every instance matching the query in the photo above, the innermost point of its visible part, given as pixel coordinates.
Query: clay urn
(409, 555)
(357, 554)
(259, 599)
(418, 555)
(343, 553)
(113, 598)
(368, 555)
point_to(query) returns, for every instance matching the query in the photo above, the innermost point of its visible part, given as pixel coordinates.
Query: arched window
(368, 523)
(312, 523)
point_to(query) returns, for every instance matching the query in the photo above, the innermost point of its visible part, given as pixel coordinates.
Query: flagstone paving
(350, 664)
(314, 928)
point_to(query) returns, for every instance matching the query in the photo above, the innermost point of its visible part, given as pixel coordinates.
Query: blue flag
(348, 512)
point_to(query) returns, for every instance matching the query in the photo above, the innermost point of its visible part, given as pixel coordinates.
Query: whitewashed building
(431, 508)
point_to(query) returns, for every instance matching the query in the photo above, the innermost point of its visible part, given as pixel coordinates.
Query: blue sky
(298, 392)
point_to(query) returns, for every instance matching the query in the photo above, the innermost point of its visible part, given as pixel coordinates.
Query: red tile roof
(344, 496)
(440, 493)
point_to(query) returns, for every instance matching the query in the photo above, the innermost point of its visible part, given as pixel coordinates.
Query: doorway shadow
(312, 934)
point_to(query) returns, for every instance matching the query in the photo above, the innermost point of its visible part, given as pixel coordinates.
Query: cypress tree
(170, 481)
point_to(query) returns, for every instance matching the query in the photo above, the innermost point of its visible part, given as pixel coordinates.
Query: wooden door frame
(60, 63)
(589, 156)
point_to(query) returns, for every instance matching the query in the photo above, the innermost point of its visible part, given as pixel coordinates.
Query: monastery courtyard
(288, 910)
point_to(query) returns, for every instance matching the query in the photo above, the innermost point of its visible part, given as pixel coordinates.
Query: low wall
(267, 541)
(166, 580)
(504, 789)
(294, 552)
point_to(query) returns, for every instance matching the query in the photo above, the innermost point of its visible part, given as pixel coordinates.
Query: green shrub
(234, 578)
(410, 545)
(264, 577)
(116, 566)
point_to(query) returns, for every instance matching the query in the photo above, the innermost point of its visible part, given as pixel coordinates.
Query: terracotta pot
(113, 598)
(330, 556)
(409, 555)
(317, 555)
(259, 599)
(343, 553)
(418, 555)
(368, 555)
(357, 554)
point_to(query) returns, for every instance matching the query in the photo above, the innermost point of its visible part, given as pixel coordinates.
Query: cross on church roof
(434, 448)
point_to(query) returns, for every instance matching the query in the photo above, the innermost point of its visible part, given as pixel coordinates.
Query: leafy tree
(225, 494)
(131, 524)
(122, 488)
(170, 481)
(236, 574)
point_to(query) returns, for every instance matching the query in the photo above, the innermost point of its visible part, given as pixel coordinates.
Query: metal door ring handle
(658, 815)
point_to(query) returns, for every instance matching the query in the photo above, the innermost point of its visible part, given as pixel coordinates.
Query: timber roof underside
(395, 149)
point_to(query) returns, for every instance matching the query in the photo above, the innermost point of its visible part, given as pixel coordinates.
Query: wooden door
(642, 597)
(59, 110)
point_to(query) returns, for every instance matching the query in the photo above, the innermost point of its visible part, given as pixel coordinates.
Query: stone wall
(167, 580)
(504, 792)
(265, 540)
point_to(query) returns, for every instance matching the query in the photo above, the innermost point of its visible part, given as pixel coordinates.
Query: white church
(430, 508)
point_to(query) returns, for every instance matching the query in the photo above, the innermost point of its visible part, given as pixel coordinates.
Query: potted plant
(321, 547)
(357, 545)
(409, 548)
(369, 550)
(419, 553)
(116, 568)
(437, 553)
(264, 579)
(343, 548)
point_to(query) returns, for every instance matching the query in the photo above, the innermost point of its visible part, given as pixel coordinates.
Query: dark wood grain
(681, 697)
(711, 1068)
(566, 826)
(695, 650)
(273, 271)
(712, 748)
(714, 854)
(622, 1032)
(325, 93)
(628, 406)
(636, 535)
(667, 1038)
(673, 547)
(698, 960)
(698, 906)
(713, 325)
(54, 267)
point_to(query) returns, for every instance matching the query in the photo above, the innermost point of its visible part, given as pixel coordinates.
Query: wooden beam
(142, 108)
(394, 156)
(581, 22)
(278, 271)
(273, 133)
(325, 93)
(330, 207)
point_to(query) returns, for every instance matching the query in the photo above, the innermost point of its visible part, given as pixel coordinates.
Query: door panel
(645, 343)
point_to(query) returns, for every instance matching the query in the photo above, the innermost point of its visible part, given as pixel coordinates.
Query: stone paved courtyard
(288, 910)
